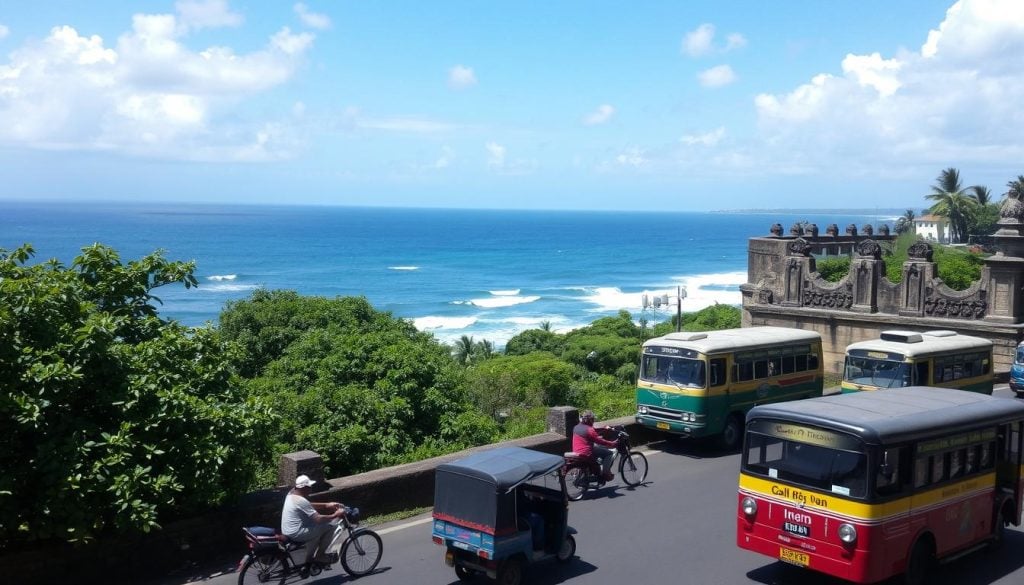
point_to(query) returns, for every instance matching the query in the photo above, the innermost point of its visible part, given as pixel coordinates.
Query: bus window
(761, 369)
(717, 372)
(744, 371)
(938, 468)
(774, 366)
(921, 472)
(888, 480)
(921, 373)
(986, 456)
(801, 363)
(812, 362)
(971, 461)
(956, 459)
(788, 364)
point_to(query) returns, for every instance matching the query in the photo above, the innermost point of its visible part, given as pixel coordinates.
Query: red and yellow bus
(869, 485)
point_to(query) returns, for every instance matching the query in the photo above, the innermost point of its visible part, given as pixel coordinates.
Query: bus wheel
(919, 565)
(732, 433)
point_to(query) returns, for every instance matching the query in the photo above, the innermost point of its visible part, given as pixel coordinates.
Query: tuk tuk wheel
(567, 550)
(511, 572)
(463, 573)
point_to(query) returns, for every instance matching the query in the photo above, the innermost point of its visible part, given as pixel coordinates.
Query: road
(678, 528)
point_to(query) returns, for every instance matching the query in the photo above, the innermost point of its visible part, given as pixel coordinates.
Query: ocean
(488, 274)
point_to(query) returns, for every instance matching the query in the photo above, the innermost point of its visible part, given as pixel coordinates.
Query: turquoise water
(484, 273)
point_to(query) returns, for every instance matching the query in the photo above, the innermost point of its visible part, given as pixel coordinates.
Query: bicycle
(269, 559)
(584, 473)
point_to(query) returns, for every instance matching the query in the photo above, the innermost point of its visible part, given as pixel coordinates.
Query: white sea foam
(229, 287)
(403, 267)
(504, 293)
(508, 301)
(435, 322)
(702, 290)
(220, 277)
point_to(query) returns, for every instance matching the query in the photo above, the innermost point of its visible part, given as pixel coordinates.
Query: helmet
(587, 417)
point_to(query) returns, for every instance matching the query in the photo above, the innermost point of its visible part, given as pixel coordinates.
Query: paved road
(679, 528)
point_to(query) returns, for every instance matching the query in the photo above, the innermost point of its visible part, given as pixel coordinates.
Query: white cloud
(446, 158)
(198, 14)
(700, 41)
(312, 19)
(602, 114)
(461, 77)
(735, 41)
(706, 139)
(4, 31)
(717, 76)
(495, 155)
(949, 103)
(399, 124)
(632, 157)
(148, 94)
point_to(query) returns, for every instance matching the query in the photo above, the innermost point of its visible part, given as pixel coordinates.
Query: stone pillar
(867, 270)
(299, 463)
(798, 265)
(1005, 268)
(561, 420)
(918, 271)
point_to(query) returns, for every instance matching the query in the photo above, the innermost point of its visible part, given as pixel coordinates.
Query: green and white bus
(703, 384)
(938, 358)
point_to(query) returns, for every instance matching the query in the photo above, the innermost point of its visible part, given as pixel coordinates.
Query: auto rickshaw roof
(504, 467)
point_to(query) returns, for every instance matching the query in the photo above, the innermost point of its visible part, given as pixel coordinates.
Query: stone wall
(784, 289)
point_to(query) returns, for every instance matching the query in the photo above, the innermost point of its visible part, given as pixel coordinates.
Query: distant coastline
(879, 212)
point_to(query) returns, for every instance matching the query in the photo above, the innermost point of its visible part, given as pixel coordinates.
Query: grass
(400, 515)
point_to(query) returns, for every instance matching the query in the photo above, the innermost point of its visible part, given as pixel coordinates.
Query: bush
(833, 269)
(114, 418)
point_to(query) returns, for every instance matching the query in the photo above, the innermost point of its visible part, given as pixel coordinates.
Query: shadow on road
(546, 573)
(613, 491)
(690, 448)
(981, 568)
(336, 576)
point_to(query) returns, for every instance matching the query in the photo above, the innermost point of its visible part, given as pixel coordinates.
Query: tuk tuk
(497, 511)
(1017, 371)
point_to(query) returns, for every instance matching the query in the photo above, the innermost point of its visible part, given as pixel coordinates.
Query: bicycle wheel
(633, 469)
(263, 568)
(361, 553)
(575, 483)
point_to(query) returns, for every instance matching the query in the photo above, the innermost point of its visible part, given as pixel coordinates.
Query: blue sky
(696, 105)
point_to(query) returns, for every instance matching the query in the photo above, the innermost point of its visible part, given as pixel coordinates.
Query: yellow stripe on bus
(835, 504)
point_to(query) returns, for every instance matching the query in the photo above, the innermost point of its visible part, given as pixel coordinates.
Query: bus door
(893, 482)
(1009, 462)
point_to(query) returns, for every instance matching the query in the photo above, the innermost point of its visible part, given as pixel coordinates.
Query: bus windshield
(876, 372)
(681, 372)
(833, 470)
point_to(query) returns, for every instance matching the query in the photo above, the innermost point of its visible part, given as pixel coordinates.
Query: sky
(657, 105)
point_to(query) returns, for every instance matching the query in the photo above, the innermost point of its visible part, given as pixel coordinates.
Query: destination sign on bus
(810, 435)
(955, 441)
(890, 356)
(676, 351)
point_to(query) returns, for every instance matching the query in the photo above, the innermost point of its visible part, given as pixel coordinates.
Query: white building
(933, 228)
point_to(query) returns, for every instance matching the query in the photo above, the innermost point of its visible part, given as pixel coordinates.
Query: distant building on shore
(933, 228)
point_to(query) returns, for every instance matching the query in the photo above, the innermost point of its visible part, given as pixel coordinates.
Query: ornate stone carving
(883, 230)
(832, 229)
(812, 230)
(869, 249)
(868, 229)
(796, 230)
(776, 229)
(798, 247)
(851, 230)
(970, 306)
(765, 296)
(822, 298)
(920, 251)
(1012, 208)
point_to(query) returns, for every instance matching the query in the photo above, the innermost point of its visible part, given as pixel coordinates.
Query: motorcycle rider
(588, 443)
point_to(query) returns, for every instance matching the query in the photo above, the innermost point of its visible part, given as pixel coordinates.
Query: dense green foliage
(833, 269)
(112, 417)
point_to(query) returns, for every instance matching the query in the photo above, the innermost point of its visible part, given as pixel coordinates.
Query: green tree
(1015, 188)
(535, 340)
(507, 383)
(833, 269)
(464, 350)
(981, 194)
(113, 417)
(953, 202)
(905, 223)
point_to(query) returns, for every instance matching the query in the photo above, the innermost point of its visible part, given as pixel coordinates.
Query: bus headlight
(847, 533)
(642, 409)
(749, 506)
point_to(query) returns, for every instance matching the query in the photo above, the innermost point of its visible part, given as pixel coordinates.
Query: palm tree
(981, 194)
(483, 350)
(464, 350)
(1016, 188)
(905, 223)
(953, 202)
(545, 325)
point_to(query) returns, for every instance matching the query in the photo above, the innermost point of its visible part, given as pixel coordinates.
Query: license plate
(797, 529)
(664, 426)
(461, 545)
(796, 558)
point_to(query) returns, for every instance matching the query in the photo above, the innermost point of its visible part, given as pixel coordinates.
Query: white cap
(303, 481)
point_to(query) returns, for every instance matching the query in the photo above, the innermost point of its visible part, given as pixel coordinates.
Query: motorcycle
(583, 473)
